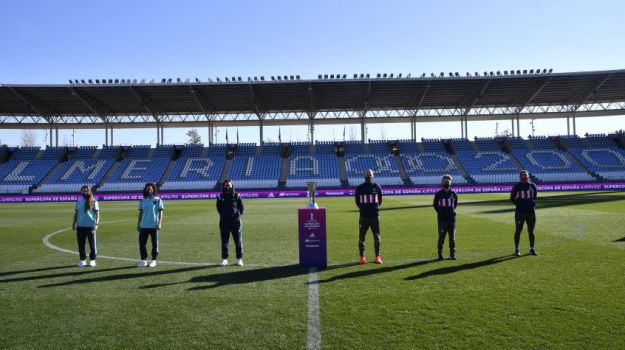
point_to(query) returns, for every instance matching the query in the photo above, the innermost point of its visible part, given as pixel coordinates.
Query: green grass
(569, 297)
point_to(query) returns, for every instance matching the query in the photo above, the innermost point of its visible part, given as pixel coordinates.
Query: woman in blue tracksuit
(149, 223)
(86, 219)
(230, 209)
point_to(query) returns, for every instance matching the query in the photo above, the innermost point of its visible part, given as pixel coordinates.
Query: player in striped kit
(369, 199)
(523, 195)
(445, 203)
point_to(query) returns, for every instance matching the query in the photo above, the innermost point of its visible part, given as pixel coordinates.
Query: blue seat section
(25, 153)
(383, 165)
(81, 171)
(487, 144)
(217, 150)
(192, 151)
(255, 172)
(490, 166)
(54, 153)
(599, 140)
(354, 147)
(542, 142)
(197, 169)
(378, 146)
(301, 148)
(246, 149)
(137, 152)
(461, 144)
(322, 147)
(572, 141)
(408, 146)
(163, 151)
(139, 170)
(551, 165)
(427, 168)
(270, 148)
(26, 172)
(433, 145)
(516, 142)
(109, 152)
(305, 166)
(83, 152)
(608, 162)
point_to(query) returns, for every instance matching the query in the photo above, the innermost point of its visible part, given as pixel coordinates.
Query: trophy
(312, 188)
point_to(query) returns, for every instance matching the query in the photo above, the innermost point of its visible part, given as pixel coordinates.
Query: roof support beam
(592, 91)
(95, 106)
(523, 102)
(418, 99)
(206, 107)
(256, 103)
(46, 112)
(477, 96)
(311, 109)
(150, 106)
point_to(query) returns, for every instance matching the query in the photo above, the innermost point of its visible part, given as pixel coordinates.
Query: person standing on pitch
(86, 219)
(230, 209)
(149, 223)
(369, 199)
(523, 195)
(445, 203)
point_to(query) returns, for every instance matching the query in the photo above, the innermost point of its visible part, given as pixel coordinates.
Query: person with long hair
(149, 223)
(230, 209)
(86, 220)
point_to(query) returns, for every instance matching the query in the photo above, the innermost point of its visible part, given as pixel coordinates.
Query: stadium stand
(487, 143)
(551, 165)
(490, 166)
(82, 152)
(74, 173)
(194, 173)
(192, 151)
(18, 175)
(603, 158)
(132, 174)
(255, 172)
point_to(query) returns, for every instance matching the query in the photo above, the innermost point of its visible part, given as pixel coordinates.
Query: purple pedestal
(312, 237)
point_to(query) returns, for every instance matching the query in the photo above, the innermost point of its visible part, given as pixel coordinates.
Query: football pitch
(571, 296)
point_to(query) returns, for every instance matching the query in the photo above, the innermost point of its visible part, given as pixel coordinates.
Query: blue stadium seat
(255, 172)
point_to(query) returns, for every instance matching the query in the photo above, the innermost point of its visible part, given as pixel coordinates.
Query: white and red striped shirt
(528, 194)
(369, 198)
(447, 202)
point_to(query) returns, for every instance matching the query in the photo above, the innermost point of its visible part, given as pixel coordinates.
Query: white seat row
(61, 188)
(188, 185)
(301, 183)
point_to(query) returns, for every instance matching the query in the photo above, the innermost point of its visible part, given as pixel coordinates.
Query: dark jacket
(229, 205)
(523, 195)
(445, 203)
(368, 199)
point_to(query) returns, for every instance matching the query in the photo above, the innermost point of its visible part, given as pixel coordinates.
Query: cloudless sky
(49, 42)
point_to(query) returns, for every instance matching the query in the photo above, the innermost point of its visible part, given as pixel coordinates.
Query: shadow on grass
(457, 268)
(9, 273)
(562, 200)
(143, 272)
(247, 276)
(619, 240)
(80, 272)
(368, 272)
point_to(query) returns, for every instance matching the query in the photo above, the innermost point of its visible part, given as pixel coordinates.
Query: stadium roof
(322, 101)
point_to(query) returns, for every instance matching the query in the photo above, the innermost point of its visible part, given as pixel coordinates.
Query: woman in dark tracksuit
(230, 209)
(86, 219)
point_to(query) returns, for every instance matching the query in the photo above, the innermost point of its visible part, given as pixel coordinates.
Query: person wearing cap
(230, 209)
(368, 200)
(523, 195)
(149, 223)
(445, 203)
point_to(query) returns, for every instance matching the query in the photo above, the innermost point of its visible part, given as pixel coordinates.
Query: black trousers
(520, 219)
(364, 224)
(444, 228)
(226, 227)
(82, 235)
(144, 234)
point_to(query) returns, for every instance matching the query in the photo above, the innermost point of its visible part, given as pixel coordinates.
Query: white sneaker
(240, 262)
(152, 263)
(81, 263)
(224, 262)
(143, 263)
(92, 263)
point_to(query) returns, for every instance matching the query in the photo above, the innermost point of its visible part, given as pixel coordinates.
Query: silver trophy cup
(312, 188)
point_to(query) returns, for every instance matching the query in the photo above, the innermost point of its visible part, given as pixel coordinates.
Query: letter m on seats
(80, 166)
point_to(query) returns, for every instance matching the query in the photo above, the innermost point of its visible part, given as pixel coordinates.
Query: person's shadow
(457, 268)
(619, 240)
(367, 272)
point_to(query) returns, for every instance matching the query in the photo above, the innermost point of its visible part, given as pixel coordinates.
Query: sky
(50, 42)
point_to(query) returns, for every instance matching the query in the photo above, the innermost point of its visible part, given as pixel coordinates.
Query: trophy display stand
(312, 233)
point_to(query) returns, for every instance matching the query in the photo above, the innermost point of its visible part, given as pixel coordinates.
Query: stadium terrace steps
(204, 152)
(96, 154)
(462, 169)
(582, 166)
(150, 153)
(285, 167)
(402, 171)
(49, 175)
(515, 161)
(167, 172)
(343, 172)
(224, 173)
(108, 174)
